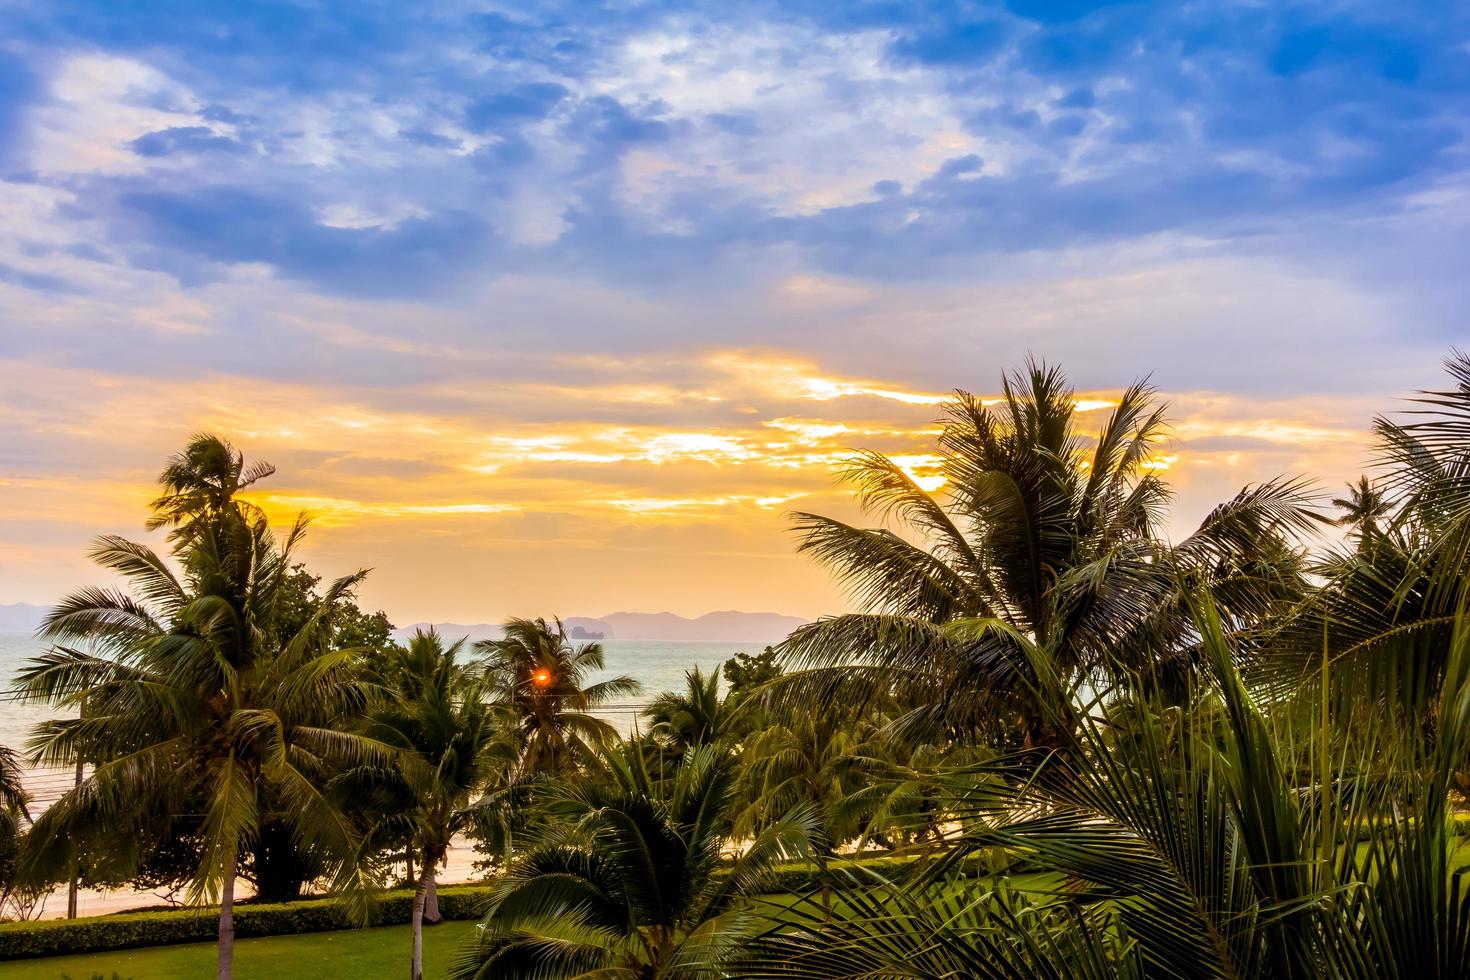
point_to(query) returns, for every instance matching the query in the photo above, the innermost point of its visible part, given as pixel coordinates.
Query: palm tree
(1363, 509)
(806, 758)
(442, 722)
(694, 718)
(1042, 529)
(13, 811)
(202, 484)
(632, 883)
(13, 795)
(542, 678)
(188, 700)
(1215, 837)
(1389, 601)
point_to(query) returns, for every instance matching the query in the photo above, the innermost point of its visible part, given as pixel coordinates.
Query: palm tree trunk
(227, 922)
(72, 869)
(431, 904)
(426, 881)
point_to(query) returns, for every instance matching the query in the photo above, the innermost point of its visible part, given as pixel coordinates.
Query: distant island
(21, 617)
(729, 626)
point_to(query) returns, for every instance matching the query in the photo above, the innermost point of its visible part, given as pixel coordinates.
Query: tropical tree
(543, 680)
(201, 487)
(13, 812)
(1055, 534)
(13, 795)
(192, 699)
(276, 865)
(1209, 836)
(441, 720)
(804, 759)
(1388, 604)
(630, 883)
(692, 718)
(1363, 509)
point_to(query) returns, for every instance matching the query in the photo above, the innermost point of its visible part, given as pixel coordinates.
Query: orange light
(541, 678)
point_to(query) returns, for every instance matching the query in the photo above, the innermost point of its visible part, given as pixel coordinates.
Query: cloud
(183, 139)
(615, 273)
(769, 130)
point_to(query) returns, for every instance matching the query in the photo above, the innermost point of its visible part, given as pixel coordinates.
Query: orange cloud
(612, 500)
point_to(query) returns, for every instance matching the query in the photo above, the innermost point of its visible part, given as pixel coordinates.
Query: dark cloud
(183, 139)
(235, 225)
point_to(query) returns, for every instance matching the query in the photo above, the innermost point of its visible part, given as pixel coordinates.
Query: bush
(806, 877)
(125, 930)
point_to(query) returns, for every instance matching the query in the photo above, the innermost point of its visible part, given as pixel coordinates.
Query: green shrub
(52, 937)
(805, 877)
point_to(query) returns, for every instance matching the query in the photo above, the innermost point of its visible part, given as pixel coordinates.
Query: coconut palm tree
(202, 484)
(190, 703)
(542, 678)
(1052, 532)
(631, 883)
(696, 717)
(451, 749)
(1389, 600)
(1363, 509)
(13, 795)
(1208, 836)
(13, 811)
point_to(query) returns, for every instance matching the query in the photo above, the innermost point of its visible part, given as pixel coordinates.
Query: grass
(376, 952)
(381, 952)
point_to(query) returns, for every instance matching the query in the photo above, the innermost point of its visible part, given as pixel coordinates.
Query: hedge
(797, 877)
(125, 930)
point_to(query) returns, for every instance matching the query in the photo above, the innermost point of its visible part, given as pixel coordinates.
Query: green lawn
(366, 954)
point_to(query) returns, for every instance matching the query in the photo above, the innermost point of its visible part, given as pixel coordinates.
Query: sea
(659, 665)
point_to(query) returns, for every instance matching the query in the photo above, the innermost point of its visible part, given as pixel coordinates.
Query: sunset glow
(539, 314)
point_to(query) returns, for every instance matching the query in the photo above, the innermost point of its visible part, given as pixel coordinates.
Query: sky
(560, 308)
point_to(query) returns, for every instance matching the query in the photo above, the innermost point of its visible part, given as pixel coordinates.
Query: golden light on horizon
(479, 507)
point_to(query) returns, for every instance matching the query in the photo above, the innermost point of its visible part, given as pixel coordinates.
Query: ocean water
(658, 665)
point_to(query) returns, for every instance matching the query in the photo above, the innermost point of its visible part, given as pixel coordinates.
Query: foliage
(1041, 529)
(126, 930)
(189, 694)
(542, 679)
(440, 720)
(1190, 847)
(13, 813)
(1387, 606)
(693, 718)
(746, 672)
(630, 883)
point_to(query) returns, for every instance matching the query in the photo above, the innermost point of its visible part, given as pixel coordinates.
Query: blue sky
(407, 210)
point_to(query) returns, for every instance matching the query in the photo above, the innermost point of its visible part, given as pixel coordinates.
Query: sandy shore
(459, 869)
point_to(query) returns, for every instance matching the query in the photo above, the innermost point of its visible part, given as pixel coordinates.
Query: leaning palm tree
(1052, 532)
(631, 883)
(188, 700)
(440, 719)
(542, 678)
